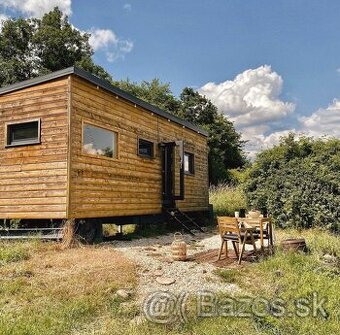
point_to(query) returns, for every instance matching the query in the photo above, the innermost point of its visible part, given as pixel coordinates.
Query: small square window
(145, 148)
(99, 141)
(23, 133)
(189, 163)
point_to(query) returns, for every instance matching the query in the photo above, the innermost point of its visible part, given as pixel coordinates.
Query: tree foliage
(225, 144)
(298, 182)
(153, 92)
(32, 47)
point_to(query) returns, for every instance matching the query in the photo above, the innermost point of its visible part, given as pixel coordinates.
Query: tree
(17, 60)
(225, 144)
(153, 92)
(298, 182)
(32, 47)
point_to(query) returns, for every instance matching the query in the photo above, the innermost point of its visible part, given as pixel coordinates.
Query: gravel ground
(153, 256)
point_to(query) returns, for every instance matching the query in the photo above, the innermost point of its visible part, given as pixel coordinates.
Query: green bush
(298, 183)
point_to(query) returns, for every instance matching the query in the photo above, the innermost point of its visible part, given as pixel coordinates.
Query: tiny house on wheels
(73, 147)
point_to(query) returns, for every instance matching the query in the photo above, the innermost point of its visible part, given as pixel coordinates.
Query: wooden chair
(264, 229)
(230, 231)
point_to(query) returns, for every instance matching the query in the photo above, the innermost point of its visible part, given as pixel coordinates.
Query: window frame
(111, 129)
(24, 142)
(189, 154)
(153, 148)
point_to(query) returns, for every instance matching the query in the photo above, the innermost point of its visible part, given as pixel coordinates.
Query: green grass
(227, 199)
(44, 290)
(15, 251)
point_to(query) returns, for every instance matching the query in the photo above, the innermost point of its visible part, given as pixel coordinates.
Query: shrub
(298, 183)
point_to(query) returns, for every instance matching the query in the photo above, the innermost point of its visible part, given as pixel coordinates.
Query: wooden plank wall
(33, 179)
(129, 185)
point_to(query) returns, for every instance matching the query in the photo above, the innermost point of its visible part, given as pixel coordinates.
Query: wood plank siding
(130, 184)
(55, 179)
(33, 178)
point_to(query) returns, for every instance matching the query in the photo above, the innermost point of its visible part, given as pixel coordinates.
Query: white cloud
(127, 7)
(113, 46)
(323, 122)
(102, 38)
(2, 19)
(338, 70)
(252, 101)
(37, 8)
(251, 98)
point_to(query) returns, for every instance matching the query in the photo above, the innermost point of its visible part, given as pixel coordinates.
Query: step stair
(188, 223)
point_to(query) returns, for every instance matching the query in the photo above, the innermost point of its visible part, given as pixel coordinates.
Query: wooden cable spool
(179, 248)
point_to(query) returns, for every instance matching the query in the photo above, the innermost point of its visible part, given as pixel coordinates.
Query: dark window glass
(23, 133)
(99, 141)
(189, 163)
(145, 148)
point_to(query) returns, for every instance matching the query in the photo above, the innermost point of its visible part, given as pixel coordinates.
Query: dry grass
(56, 291)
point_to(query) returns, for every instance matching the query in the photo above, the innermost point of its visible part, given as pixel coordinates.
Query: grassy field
(46, 290)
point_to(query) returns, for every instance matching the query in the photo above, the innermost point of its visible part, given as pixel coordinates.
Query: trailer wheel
(89, 232)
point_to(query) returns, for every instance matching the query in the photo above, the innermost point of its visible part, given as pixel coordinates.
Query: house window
(145, 148)
(99, 141)
(23, 133)
(189, 163)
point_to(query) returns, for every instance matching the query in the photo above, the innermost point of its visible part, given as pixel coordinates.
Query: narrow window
(189, 163)
(23, 133)
(145, 148)
(99, 141)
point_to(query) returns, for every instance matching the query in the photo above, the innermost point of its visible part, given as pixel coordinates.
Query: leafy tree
(32, 47)
(225, 144)
(153, 91)
(17, 53)
(298, 182)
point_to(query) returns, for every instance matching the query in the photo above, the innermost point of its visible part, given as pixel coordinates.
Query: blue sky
(272, 65)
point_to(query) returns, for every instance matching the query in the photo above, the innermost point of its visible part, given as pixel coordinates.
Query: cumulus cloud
(252, 101)
(102, 38)
(127, 7)
(37, 8)
(252, 97)
(113, 46)
(323, 122)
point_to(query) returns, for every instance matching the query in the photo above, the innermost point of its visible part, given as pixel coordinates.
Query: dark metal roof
(106, 86)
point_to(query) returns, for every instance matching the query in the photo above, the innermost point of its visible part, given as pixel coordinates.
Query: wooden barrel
(295, 244)
(179, 248)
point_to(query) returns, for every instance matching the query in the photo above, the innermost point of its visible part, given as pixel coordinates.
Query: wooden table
(259, 223)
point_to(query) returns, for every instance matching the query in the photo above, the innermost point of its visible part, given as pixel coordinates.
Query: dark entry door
(172, 172)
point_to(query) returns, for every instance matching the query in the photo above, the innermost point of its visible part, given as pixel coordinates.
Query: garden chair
(263, 228)
(230, 231)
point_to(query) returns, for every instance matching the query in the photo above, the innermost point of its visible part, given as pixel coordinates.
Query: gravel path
(153, 256)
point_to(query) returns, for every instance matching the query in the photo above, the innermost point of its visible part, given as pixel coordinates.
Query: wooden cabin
(72, 146)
